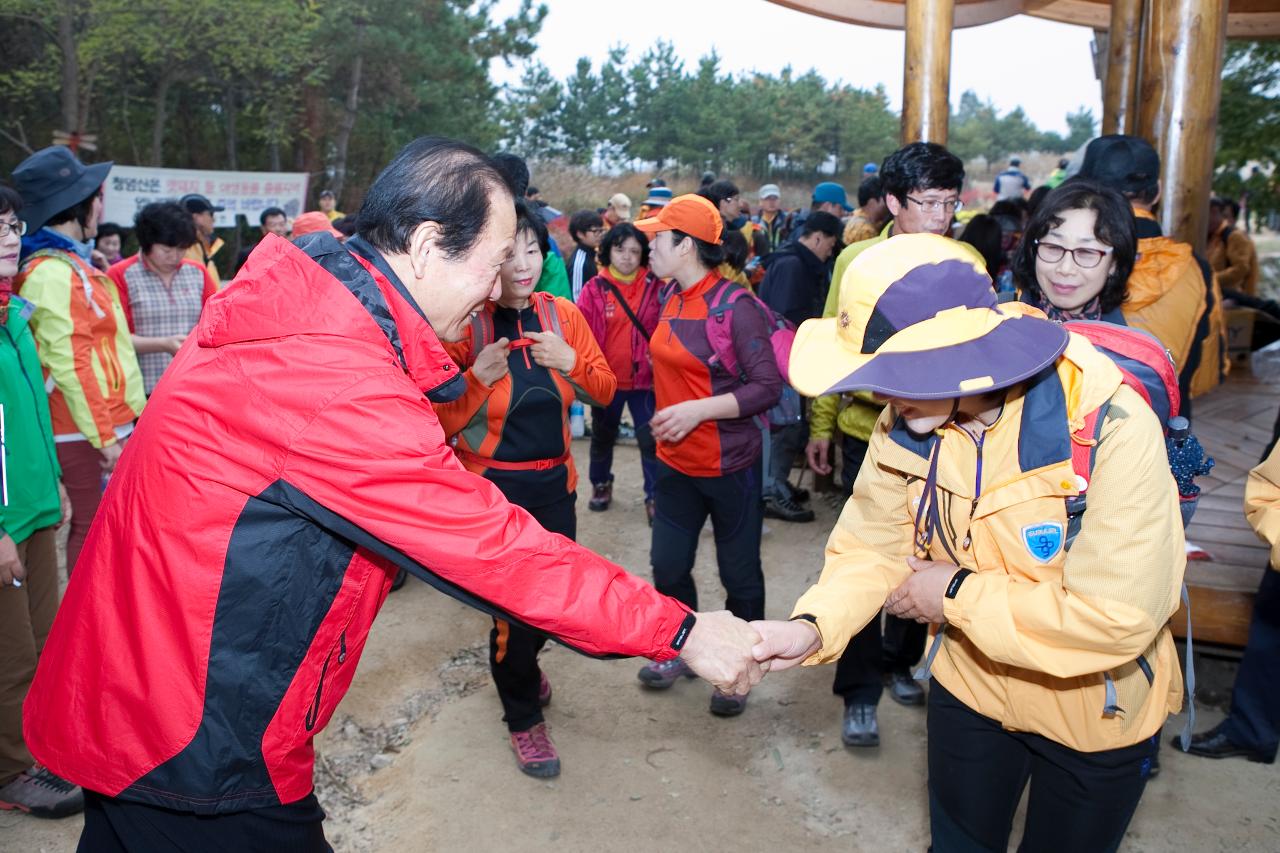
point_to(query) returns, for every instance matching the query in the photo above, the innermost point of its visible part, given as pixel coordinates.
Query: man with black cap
(207, 243)
(1173, 293)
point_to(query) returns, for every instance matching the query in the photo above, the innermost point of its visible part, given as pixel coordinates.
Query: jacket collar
(388, 301)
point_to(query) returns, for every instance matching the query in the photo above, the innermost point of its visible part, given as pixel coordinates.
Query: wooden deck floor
(1234, 423)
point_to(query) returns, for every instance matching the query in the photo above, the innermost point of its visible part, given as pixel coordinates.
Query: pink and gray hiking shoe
(660, 675)
(41, 794)
(535, 753)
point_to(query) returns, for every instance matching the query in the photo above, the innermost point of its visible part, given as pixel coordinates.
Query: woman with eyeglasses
(1077, 253)
(80, 327)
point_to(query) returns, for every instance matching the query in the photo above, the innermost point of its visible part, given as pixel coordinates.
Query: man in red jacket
(288, 466)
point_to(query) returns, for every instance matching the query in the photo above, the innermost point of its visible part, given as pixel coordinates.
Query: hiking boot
(859, 727)
(786, 509)
(904, 689)
(660, 675)
(601, 497)
(727, 705)
(41, 794)
(535, 753)
(544, 690)
(649, 510)
(799, 495)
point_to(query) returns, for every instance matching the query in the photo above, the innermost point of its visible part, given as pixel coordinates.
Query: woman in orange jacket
(527, 356)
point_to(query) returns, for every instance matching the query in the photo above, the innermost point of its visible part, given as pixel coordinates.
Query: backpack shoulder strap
(481, 331)
(720, 301)
(544, 305)
(1084, 451)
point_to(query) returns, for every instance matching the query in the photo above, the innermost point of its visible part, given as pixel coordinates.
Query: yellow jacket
(1030, 641)
(204, 257)
(1168, 298)
(1234, 259)
(1262, 503)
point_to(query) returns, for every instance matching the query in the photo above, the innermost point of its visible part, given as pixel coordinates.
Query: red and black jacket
(286, 466)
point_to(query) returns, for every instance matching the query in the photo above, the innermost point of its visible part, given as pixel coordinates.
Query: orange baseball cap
(690, 214)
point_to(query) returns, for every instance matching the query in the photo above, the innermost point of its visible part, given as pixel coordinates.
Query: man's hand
(11, 568)
(491, 364)
(784, 644)
(675, 422)
(552, 351)
(920, 596)
(818, 451)
(719, 650)
(110, 456)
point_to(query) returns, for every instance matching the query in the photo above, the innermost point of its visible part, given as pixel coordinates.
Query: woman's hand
(175, 344)
(110, 456)
(551, 351)
(673, 423)
(920, 596)
(11, 568)
(491, 364)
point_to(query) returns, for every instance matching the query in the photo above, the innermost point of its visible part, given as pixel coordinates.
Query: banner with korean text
(130, 188)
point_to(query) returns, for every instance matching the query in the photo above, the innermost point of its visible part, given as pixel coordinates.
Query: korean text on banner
(130, 188)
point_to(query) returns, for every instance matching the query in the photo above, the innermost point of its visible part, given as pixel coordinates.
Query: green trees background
(335, 87)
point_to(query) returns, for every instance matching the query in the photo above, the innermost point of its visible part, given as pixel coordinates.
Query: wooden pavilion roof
(1245, 18)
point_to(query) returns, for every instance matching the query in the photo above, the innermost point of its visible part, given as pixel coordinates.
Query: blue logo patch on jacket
(1043, 540)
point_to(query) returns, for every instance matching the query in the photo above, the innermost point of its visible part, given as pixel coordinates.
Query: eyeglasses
(1086, 259)
(933, 205)
(19, 228)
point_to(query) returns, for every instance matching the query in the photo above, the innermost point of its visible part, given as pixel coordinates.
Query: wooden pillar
(1124, 51)
(1178, 106)
(926, 82)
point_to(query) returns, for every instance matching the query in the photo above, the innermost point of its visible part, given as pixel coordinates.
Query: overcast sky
(1043, 66)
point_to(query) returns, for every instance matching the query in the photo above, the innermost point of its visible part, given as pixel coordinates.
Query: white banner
(130, 188)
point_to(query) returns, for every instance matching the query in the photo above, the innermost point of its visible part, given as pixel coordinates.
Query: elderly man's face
(456, 288)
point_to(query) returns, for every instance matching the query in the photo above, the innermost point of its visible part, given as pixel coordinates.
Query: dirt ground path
(416, 758)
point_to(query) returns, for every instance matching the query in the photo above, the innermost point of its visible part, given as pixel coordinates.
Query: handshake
(734, 655)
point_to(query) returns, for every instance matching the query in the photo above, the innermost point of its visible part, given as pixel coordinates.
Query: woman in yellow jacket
(1252, 729)
(1051, 659)
(96, 389)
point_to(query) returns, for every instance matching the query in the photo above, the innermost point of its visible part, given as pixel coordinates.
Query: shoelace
(535, 743)
(42, 777)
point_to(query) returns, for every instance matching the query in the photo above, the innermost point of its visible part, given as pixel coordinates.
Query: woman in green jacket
(30, 510)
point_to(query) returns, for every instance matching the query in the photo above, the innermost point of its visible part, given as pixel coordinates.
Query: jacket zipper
(35, 401)
(314, 713)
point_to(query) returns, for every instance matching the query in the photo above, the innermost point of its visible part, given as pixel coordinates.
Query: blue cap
(829, 191)
(658, 197)
(870, 169)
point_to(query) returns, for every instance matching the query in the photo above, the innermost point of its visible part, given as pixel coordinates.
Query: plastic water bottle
(577, 420)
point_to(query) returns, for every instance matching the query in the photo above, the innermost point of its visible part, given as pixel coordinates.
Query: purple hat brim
(1013, 351)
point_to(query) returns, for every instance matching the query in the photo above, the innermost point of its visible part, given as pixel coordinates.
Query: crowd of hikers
(396, 392)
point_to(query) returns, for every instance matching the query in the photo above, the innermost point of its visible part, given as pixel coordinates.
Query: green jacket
(855, 414)
(555, 278)
(31, 464)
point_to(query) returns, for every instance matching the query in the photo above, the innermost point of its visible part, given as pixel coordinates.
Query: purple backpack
(720, 302)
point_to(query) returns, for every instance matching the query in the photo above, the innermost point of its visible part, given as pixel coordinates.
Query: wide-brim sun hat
(918, 320)
(53, 180)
